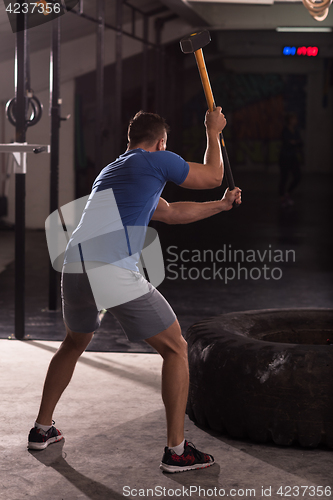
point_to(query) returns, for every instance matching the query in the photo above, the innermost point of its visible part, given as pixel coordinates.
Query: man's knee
(170, 342)
(176, 347)
(183, 348)
(174, 339)
(77, 341)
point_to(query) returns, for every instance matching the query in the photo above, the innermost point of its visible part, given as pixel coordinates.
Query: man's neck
(143, 146)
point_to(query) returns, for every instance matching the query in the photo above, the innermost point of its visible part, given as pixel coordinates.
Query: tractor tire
(266, 375)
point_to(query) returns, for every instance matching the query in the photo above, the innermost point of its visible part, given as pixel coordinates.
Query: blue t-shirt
(123, 200)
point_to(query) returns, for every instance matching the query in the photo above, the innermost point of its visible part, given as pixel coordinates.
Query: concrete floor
(114, 425)
(112, 414)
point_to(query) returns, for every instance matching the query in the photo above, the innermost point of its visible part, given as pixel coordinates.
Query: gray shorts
(140, 318)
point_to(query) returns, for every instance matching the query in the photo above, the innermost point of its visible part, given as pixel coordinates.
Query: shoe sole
(177, 468)
(42, 446)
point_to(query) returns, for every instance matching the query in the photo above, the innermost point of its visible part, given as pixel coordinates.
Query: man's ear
(160, 145)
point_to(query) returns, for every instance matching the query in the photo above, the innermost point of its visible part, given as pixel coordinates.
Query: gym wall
(77, 58)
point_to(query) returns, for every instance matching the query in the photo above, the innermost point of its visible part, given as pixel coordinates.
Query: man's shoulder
(166, 156)
(166, 152)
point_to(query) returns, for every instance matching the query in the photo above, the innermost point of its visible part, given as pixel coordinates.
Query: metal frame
(21, 84)
(100, 38)
(20, 148)
(120, 32)
(145, 64)
(119, 75)
(55, 131)
(80, 12)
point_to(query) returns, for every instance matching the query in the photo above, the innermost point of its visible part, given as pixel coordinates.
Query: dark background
(255, 104)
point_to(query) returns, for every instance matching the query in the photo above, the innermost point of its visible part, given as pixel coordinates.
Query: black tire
(247, 379)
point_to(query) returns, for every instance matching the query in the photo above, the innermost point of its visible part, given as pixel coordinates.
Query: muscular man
(136, 180)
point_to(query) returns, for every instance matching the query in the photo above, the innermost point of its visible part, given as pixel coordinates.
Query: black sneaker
(189, 460)
(39, 439)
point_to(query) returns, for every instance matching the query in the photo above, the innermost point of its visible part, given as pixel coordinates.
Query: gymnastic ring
(318, 11)
(248, 380)
(37, 111)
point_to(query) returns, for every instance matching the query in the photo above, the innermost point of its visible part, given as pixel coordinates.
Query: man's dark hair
(146, 128)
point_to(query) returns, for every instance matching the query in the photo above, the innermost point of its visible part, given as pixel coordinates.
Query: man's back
(124, 195)
(137, 179)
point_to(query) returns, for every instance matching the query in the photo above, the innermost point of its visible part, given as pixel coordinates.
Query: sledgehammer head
(194, 42)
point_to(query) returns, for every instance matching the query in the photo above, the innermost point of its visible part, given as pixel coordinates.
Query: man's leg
(60, 372)
(175, 379)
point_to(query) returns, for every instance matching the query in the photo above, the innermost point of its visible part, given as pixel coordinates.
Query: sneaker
(39, 439)
(189, 460)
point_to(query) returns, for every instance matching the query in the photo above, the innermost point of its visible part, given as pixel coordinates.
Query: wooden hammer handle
(211, 106)
(205, 79)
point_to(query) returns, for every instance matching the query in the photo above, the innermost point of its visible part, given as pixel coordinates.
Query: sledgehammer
(193, 44)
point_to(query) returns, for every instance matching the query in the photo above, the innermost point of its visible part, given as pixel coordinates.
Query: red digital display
(307, 51)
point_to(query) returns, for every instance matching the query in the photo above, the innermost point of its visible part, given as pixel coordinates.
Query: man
(290, 160)
(136, 180)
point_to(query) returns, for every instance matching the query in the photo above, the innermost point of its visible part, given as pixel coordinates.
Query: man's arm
(209, 174)
(184, 212)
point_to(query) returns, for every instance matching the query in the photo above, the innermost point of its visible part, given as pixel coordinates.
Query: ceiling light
(249, 2)
(301, 29)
